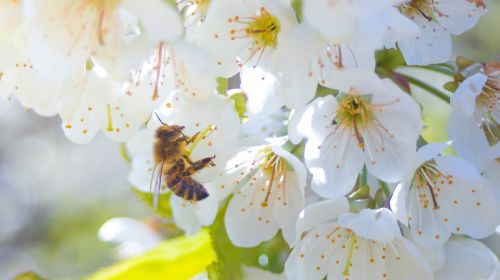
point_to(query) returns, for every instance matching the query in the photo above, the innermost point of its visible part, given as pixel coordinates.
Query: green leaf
(28, 276)
(164, 209)
(322, 91)
(389, 59)
(297, 7)
(179, 258)
(230, 258)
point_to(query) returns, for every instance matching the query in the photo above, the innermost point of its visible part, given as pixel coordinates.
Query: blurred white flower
(194, 13)
(374, 23)
(468, 259)
(475, 121)
(11, 15)
(63, 35)
(374, 123)
(444, 195)
(133, 237)
(436, 21)
(340, 245)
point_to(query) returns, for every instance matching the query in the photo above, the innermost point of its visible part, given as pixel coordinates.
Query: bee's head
(169, 132)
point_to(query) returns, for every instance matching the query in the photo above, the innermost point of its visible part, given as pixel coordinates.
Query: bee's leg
(200, 164)
(192, 139)
(188, 159)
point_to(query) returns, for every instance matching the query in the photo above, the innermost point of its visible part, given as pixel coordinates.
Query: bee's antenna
(160, 119)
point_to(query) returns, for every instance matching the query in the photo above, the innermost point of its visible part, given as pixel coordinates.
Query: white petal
(91, 114)
(262, 90)
(459, 16)
(391, 141)
(334, 162)
(33, 91)
(286, 215)
(379, 225)
(429, 151)
(398, 203)
(468, 140)
(427, 226)
(314, 255)
(468, 201)
(432, 45)
(314, 214)
(184, 214)
(410, 265)
(295, 64)
(160, 21)
(247, 222)
(467, 259)
(464, 99)
(194, 71)
(142, 169)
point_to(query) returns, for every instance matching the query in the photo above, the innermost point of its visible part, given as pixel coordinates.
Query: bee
(170, 152)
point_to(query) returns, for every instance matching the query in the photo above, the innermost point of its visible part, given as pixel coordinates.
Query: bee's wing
(156, 176)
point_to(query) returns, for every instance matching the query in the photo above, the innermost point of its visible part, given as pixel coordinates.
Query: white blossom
(444, 195)
(268, 186)
(63, 35)
(468, 259)
(436, 21)
(475, 120)
(366, 245)
(133, 237)
(374, 124)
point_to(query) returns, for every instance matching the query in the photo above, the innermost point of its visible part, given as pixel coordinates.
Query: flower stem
(439, 94)
(439, 69)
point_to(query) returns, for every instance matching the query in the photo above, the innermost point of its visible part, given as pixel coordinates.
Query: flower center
(355, 111)
(488, 103)
(429, 177)
(262, 29)
(275, 168)
(418, 7)
(194, 10)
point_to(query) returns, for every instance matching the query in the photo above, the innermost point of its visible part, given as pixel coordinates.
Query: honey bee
(170, 152)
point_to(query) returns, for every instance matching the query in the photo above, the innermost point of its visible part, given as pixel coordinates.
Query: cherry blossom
(365, 245)
(374, 124)
(444, 196)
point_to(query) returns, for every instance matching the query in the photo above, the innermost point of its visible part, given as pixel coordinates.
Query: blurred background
(54, 195)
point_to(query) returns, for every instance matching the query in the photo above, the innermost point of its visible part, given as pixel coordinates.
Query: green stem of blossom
(439, 69)
(439, 94)
(385, 188)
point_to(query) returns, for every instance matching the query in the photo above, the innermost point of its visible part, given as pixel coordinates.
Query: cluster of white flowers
(338, 174)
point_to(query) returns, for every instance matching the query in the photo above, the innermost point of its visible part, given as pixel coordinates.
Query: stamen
(110, 121)
(202, 136)
(349, 255)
